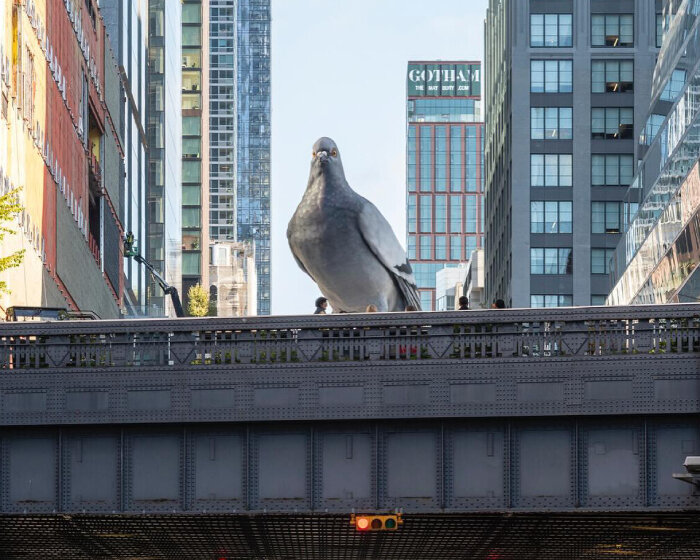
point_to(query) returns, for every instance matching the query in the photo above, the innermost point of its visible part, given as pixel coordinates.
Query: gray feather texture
(344, 243)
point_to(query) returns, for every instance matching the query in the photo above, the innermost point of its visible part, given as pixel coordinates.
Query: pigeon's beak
(322, 156)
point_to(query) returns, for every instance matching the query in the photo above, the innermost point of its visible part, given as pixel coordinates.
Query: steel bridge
(549, 433)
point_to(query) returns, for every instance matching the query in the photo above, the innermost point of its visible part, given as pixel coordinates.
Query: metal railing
(386, 337)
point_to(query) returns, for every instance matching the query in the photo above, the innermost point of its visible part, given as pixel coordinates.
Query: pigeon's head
(325, 155)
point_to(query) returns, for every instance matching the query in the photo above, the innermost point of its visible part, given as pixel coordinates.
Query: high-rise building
(60, 140)
(240, 130)
(444, 157)
(568, 88)
(126, 24)
(164, 135)
(657, 258)
(195, 145)
(233, 290)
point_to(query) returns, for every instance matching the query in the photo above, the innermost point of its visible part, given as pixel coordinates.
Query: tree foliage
(197, 301)
(9, 208)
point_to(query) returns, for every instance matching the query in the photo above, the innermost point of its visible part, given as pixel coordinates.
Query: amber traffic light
(376, 522)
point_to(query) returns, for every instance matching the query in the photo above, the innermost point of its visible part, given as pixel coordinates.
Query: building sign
(436, 80)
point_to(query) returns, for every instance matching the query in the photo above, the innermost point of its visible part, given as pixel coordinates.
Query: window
(411, 247)
(470, 208)
(551, 123)
(550, 170)
(190, 264)
(612, 30)
(469, 246)
(551, 76)
(455, 158)
(440, 248)
(426, 217)
(600, 260)
(612, 170)
(455, 214)
(191, 13)
(191, 195)
(412, 213)
(425, 158)
(191, 126)
(190, 218)
(551, 216)
(191, 171)
(659, 29)
(598, 299)
(426, 253)
(612, 122)
(550, 30)
(440, 159)
(191, 147)
(555, 260)
(191, 58)
(613, 76)
(411, 159)
(606, 217)
(470, 163)
(555, 300)
(653, 125)
(455, 248)
(674, 86)
(192, 36)
(426, 300)
(440, 214)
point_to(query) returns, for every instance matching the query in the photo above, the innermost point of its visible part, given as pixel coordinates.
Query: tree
(197, 301)
(9, 208)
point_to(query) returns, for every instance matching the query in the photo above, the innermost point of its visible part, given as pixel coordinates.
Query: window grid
(612, 76)
(551, 170)
(612, 170)
(551, 216)
(554, 300)
(600, 260)
(551, 260)
(612, 123)
(606, 217)
(551, 76)
(551, 123)
(612, 30)
(550, 30)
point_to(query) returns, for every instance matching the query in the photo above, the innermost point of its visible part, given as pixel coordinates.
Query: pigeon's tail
(409, 293)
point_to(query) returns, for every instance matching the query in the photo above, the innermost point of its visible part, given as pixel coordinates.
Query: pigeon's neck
(326, 181)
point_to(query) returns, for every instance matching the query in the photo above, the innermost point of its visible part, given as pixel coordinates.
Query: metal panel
(148, 399)
(477, 473)
(86, 401)
(25, 401)
(411, 469)
(92, 463)
(545, 473)
(614, 467)
(213, 398)
(341, 395)
(671, 445)
(218, 470)
(346, 470)
(30, 473)
(155, 472)
(282, 471)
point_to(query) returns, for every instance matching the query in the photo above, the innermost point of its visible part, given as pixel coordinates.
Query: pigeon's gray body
(344, 243)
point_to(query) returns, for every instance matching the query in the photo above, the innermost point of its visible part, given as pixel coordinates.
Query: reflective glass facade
(195, 142)
(657, 259)
(444, 161)
(126, 25)
(240, 130)
(163, 129)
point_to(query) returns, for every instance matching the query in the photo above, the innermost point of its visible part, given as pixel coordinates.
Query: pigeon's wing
(380, 238)
(291, 248)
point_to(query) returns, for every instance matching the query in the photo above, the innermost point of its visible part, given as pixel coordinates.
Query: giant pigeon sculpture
(344, 243)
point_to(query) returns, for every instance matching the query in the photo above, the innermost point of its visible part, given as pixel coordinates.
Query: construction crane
(130, 250)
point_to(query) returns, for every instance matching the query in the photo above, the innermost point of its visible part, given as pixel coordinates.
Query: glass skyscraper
(240, 130)
(444, 159)
(163, 129)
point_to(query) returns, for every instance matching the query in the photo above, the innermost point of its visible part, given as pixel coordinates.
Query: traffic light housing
(368, 523)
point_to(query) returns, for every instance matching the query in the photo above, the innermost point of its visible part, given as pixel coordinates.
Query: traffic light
(376, 522)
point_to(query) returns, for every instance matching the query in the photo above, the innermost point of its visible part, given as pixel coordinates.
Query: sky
(339, 70)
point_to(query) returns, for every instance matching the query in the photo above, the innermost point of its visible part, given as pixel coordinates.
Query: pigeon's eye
(334, 152)
(313, 154)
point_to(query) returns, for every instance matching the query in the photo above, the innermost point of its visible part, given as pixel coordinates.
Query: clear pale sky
(339, 70)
